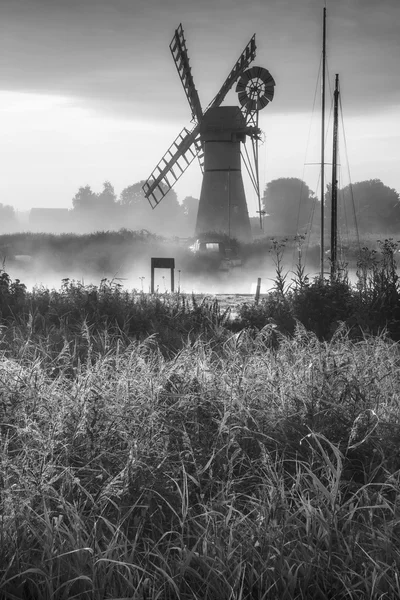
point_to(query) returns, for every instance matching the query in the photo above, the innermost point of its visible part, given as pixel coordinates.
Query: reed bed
(234, 469)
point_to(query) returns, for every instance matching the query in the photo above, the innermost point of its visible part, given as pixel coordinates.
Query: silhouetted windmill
(216, 139)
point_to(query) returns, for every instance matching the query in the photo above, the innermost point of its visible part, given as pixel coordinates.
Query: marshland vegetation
(151, 447)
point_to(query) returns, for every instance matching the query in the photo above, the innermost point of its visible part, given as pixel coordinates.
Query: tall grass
(229, 471)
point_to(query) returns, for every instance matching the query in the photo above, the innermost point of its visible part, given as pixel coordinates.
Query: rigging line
(329, 79)
(341, 205)
(312, 212)
(327, 126)
(308, 237)
(326, 135)
(331, 107)
(256, 172)
(264, 186)
(250, 174)
(249, 167)
(306, 151)
(344, 208)
(348, 172)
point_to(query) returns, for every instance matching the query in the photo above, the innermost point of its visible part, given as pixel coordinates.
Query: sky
(89, 91)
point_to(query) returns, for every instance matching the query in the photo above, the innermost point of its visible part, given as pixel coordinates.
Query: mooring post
(258, 290)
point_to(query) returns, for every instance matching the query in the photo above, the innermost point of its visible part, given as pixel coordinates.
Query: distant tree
(132, 196)
(84, 199)
(106, 200)
(166, 218)
(7, 212)
(190, 206)
(96, 211)
(8, 217)
(377, 207)
(289, 204)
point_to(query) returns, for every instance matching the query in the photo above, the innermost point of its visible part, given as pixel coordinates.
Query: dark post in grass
(162, 263)
(256, 299)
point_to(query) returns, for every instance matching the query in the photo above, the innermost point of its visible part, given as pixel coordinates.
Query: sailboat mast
(323, 141)
(334, 180)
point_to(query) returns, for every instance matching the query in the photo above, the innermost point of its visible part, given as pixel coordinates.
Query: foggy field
(124, 256)
(153, 447)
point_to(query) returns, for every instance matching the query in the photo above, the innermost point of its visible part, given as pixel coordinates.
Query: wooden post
(258, 290)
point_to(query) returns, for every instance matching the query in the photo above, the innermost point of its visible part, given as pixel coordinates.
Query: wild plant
(378, 289)
(12, 296)
(275, 308)
(300, 278)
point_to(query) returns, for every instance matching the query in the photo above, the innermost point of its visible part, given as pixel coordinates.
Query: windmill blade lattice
(181, 59)
(255, 89)
(173, 164)
(246, 57)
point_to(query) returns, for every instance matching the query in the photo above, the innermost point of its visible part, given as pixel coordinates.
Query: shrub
(12, 296)
(322, 304)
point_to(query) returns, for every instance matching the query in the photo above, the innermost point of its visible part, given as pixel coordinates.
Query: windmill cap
(223, 118)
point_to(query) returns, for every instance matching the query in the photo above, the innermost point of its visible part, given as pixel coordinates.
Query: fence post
(258, 290)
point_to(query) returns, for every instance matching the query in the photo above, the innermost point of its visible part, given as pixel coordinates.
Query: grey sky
(113, 55)
(122, 103)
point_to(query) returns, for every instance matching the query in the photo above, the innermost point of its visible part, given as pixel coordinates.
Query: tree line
(132, 210)
(289, 207)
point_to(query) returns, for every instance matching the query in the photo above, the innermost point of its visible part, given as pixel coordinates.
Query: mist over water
(40, 272)
(239, 281)
(124, 258)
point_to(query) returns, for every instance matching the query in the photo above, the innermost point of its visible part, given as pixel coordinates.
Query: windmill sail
(246, 57)
(181, 59)
(173, 164)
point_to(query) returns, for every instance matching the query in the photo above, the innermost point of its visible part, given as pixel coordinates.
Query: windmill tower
(217, 138)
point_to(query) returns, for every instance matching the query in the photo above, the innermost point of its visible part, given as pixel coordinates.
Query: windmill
(216, 138)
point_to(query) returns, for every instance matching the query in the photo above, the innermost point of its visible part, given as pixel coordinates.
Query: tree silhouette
(96, 211)
(106, 200)
(376, 205)
(85, 199)
(7, 216)
(166, 218)
(132, 196)
(289, 204)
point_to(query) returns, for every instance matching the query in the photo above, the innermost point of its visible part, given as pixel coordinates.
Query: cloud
(113, 55)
